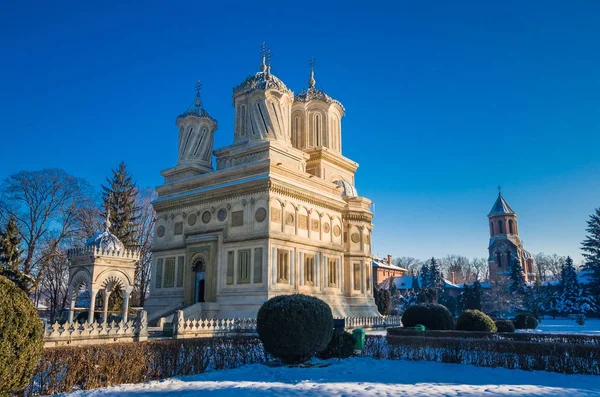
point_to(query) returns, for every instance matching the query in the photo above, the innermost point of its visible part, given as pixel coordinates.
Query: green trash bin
(419, 327)
(359, 338)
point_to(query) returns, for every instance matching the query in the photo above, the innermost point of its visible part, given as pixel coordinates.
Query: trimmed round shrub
(431, 315)
(294, 328)
(474, 320)
(333, 349)
(505, 326)
(21, 338)
(525, 321)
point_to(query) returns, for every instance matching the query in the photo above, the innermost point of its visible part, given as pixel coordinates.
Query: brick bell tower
(505, 244)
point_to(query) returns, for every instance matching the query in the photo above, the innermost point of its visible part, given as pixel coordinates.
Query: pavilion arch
(108, 277)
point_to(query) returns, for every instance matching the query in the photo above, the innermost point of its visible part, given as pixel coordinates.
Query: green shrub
(431, 315)
(21, 338)
(525, 321)
(332, 349)
(294, 328)
(505, 326)
(383, 300)
(474, 320)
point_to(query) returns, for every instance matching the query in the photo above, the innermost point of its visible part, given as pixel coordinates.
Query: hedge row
(63, 369)
(589, 340)
(553, 357)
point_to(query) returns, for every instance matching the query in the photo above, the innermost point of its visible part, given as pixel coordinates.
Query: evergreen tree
(393, 288)
(424, 276)
(517, 278)
(119, 200)
(591, 249)
(11, 256)
(415, 283)
(436, 278)
(570, 291)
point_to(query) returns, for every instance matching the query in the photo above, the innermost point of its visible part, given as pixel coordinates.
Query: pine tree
(11, 256)
(436, 278)
(119, 200)
(517, 278)
(424, 274)
(591, 249)
(570, 291)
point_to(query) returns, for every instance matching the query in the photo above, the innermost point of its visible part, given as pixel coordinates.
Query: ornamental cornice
(335, 159)
(297, 194)
(357, 217)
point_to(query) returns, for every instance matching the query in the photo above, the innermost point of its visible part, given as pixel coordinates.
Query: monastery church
(279, 214)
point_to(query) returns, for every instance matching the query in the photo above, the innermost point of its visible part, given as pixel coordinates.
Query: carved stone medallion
(206, 216)
(326, 227)
(355, 237)
(289, 219)
(178, 228)
(191, 219)
(160, 231)
(222, 214)
(315, 225)
(337, 231)
(260, 215)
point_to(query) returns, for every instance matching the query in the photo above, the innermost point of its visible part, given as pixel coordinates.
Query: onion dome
(263, 80)
(196, 110)
(105, 240)
(501, 207)
(314, 94)
(348, 189)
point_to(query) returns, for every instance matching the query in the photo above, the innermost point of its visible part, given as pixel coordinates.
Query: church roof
(196, 109)
(348, 189)
(105, 240)
(262, 80)
(315, 94)
(501, 207)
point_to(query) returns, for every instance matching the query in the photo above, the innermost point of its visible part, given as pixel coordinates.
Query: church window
(159, 273)
(296, 134)
(179, 282)
(283, 266)
(332, 273)
(258, 259)
(262, 117)
(498, 259)
(309, 270)
(243, 121)
(317, 130)
(368, 279)
(492, 228)
(187, 139)
(510, 226)
(243, 276)
(357, 276)
(501, 227)
(230, 259)
(169, 273)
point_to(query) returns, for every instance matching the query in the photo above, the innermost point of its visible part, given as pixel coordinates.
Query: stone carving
(303, 222)
(337, 231)
(160, 231)
(222, 214)
(178, 228)
(315, 225)
(289, 219)
(191, 219)
(355, 237)
(326, 227)
(260, 215)
(237, 218)
(275, 215)
(206, 217)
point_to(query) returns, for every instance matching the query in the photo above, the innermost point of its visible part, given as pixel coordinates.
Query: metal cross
(198, 86)
(263, 49)
(312, 62)
(499, 188)
(268, 56)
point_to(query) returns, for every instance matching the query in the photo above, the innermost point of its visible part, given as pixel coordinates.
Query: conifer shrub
(505, 326)
(333, 348)
(525, 321)
(474, 320)
(21, 338)
(431, 315)
(295, 327)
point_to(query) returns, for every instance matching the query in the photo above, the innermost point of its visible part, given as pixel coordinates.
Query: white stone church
(279, 215)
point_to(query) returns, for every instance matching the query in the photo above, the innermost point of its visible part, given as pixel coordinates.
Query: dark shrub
(525, 321)
(474, 320)
(294, 328)
(383, 300)
(505, 326)
(332, 349)
(431, 315)
(21, 338)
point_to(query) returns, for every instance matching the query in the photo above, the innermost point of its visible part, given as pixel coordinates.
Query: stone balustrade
(93, 250)
(97, 332)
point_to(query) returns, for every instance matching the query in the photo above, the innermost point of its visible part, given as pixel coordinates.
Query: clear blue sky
(444, 101)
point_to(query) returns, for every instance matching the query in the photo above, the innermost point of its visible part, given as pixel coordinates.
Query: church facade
(506, 245)
(279, 214)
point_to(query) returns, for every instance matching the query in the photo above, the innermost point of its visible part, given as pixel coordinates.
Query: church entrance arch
(199, 269)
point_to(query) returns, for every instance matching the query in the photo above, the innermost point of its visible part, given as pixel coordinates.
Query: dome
(348, 189)
(197, 112)
(314, 94)
(261, 81)
(105, 240)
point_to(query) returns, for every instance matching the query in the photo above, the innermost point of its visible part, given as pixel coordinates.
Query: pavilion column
(105, 307)
(93, 294)
(72, 307)
(126, 294)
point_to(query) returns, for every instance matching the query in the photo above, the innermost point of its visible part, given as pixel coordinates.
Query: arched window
(498, 259)
(500, 227)
(511, 227)
(317, 130)
(492, 228)
(296, 134)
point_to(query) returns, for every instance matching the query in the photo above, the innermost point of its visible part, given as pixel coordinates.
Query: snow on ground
(568, 326)
(363, 377)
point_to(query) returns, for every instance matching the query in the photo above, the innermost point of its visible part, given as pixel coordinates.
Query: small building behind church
(279, 214)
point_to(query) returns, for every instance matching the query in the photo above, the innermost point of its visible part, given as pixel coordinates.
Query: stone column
(72, 307)
(127, 292)
(93, 293)
(105, 307)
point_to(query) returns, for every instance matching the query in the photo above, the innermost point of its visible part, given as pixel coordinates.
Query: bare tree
(549, 266)
(54, 283)
(144, 233)
(480, 269)
(456, 268)
(409, 263)
(45, 204)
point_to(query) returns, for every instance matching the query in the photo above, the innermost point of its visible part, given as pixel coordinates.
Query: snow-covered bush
(295, 327)
(431, 315)
(525, 321)
(504, 326)
(21, 338)
(474, 320)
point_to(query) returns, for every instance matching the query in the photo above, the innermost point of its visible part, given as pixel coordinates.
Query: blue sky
(444, 101)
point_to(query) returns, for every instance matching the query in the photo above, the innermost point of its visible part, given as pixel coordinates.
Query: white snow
(363, 377)
(568, 326)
